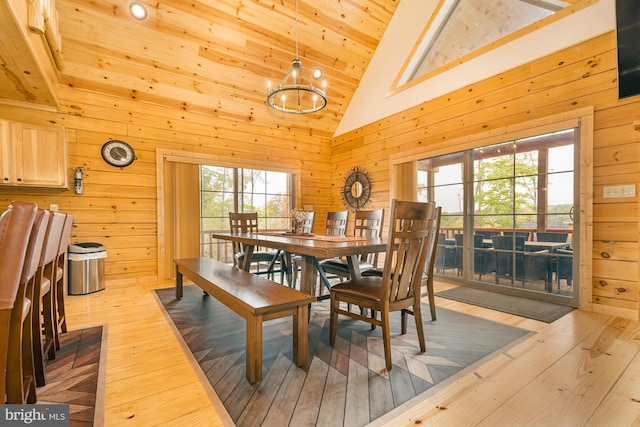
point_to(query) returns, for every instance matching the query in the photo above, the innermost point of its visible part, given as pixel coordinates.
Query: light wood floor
(583, 369)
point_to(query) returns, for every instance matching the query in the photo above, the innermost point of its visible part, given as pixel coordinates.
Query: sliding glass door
(508, 215)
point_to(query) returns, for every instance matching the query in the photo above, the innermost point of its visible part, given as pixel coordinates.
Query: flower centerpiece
(297, 220)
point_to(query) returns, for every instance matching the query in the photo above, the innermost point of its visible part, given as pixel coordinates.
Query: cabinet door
(40, 154)
(6, 161)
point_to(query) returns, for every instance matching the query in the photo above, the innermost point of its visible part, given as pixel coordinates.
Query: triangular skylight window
(459, 27)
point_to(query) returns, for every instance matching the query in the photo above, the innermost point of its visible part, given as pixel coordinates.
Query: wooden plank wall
(119, 206)
(582, 76)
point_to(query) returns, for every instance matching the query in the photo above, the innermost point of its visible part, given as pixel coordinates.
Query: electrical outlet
(53, 208)
(616, 191)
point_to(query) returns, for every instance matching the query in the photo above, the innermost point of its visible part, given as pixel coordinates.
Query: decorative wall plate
(356, 191)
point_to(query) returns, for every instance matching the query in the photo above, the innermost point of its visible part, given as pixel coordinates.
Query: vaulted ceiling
(216, 56)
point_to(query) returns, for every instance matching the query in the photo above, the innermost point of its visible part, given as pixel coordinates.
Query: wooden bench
(254, 298)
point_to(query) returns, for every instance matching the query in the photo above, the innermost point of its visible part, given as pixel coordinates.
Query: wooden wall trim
(542, 125)
(164, 155)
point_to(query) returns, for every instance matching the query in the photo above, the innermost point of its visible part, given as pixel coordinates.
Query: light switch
(616, 191)
(53, 208)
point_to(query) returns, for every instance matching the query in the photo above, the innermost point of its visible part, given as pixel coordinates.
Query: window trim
(164, 155)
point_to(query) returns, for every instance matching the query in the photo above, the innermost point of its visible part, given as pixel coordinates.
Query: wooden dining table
(310, 247)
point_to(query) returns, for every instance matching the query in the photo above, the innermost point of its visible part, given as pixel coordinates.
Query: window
(441, 179)
(523, 189)
(224, 190)
(461, 27)
(525, 184)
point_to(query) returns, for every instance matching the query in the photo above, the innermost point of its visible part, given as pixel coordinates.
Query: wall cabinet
(33, 155)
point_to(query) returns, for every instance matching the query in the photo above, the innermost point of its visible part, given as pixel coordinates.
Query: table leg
(248, 255)
(307, 275)
(354, 266)
(178, 283)
(286, 259)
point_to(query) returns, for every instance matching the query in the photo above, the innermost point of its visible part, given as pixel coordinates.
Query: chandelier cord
(296, 29)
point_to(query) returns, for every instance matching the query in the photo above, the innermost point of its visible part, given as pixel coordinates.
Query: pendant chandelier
(296, 94)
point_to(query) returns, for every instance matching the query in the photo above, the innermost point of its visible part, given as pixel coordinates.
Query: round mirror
(357, 188)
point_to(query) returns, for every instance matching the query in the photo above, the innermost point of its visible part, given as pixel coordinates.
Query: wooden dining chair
(247, 222)
(399, 288)
(432, 249)
(21, 384)
(432, 254)
(289, 269)
(59, 318)
(335, 225)
(16, 224)
(368, 223)
(43, 296)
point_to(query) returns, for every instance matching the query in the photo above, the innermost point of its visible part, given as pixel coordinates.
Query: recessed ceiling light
(138, 11)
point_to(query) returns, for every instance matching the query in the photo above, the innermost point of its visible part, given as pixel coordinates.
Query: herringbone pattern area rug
(73, 377)
(343, 385)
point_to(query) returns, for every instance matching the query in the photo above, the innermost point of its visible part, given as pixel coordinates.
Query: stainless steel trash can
(86, 267)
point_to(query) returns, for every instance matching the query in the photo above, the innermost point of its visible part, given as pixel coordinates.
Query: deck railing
(451, 231)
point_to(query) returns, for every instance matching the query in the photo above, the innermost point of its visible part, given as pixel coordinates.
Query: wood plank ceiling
(216, 56)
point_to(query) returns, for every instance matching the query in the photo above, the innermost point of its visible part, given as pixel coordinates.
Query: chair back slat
(336, 224)
(369, 223)
(307, 222)
(241, 223)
